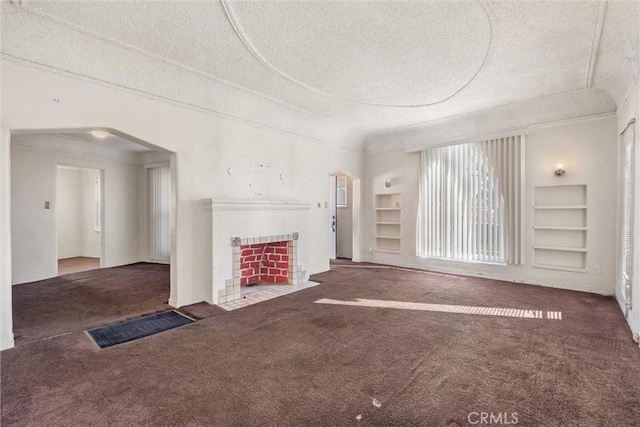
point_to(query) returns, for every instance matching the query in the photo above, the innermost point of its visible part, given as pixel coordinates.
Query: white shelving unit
(560, 228)
(388, 232)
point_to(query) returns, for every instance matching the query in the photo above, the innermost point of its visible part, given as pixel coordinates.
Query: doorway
(78, 213)
(344, 216)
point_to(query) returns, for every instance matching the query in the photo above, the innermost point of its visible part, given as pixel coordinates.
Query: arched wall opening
(124, 168)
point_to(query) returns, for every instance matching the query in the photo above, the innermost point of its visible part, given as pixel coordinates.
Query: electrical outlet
(596, 269)
(258, 193)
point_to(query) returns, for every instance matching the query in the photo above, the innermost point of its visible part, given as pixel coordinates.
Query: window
(159, 198)
(627, 171)
(470, 202)
(97, 191)
(341, 192)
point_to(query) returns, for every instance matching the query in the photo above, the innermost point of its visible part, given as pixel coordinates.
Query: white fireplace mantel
(254, 205)
(232, 220)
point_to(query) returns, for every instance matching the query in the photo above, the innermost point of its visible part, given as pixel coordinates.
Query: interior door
(333, 217)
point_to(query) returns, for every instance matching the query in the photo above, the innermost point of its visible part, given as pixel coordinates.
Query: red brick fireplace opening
(271, 259)
(264, 262)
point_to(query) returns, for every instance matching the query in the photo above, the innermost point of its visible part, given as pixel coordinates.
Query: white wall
(588, 150)
(34, 161)
(344, 245)
(627, 111)
(207, 145)
(68, 208)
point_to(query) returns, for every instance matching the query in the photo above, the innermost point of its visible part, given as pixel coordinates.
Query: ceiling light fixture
(99, 133)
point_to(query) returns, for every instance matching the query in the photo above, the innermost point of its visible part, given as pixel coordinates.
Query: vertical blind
(627, 171)
(470, 205)
(97, 193)
(159, 208)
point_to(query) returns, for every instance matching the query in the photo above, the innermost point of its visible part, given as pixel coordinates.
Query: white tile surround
(245, 222)
(267, 293)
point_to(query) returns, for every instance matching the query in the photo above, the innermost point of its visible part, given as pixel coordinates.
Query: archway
(75, 147)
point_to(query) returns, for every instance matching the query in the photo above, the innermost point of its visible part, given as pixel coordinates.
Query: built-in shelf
(560, 228)
(388, 226)
(561, 248)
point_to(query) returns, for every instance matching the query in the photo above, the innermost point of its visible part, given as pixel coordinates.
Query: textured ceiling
(383, 53)
(380, 65)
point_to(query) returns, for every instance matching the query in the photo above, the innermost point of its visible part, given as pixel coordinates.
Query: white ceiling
(385, 64)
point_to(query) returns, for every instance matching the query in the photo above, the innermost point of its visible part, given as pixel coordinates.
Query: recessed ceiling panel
(384, 53)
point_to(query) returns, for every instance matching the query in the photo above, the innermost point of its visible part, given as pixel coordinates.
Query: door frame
(356, 217)
(102, 208)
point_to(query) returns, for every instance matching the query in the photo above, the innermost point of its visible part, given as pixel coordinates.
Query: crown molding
(183, 104)
(410, 148)
(176, 64)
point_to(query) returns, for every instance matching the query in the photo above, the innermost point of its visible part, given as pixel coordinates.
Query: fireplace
(263, 259)
(264, 262)
(256, 241)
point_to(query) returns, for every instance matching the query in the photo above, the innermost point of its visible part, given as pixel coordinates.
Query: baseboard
(485, 275)
(173, 303)
(7, 343)
(155, 261)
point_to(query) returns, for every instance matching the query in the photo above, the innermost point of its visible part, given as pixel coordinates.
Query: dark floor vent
(134, 329)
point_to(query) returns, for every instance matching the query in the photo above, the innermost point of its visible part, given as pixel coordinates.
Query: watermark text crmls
(493, 418)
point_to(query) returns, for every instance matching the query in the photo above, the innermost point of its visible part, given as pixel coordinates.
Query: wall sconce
(559, 170)
(387, 182)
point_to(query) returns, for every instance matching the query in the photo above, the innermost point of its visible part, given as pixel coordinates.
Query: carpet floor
(292, 361)
(79, 301)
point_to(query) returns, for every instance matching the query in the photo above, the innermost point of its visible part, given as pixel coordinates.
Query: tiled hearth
(253, 295)
(272, 259)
